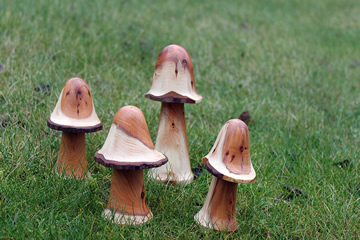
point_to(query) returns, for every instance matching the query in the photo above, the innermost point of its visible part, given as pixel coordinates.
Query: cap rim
(99, 158)
(73, 129)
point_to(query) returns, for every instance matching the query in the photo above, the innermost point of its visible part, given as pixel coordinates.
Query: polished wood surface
(229, 158)
(170, 97)
(132, 121)
(73, 129)
(172, 141)
(72, 155)
(223, 206)
(173, 78)
(219, 209)
(236, 151)
(127, 193)
(179, 56)
(123, 165)
(76, 101)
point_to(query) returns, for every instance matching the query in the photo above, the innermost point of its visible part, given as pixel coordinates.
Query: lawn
(294, 65)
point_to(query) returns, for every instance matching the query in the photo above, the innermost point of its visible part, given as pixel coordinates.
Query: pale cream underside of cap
(216, 161)
(58, 117)
(121, 218)
(121, 147)
(166, 81)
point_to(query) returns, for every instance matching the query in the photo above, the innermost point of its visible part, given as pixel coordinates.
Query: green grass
(293, 64)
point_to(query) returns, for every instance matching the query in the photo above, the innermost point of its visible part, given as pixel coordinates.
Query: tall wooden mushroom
(229, 161)
(74, 115)
(128, 149)
(173, 84)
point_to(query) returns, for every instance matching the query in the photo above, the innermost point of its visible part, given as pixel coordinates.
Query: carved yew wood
(172, 141)
(229, 161)
(75, 115)
(229, 158)
(128, 149)
(173, 84)
(219, 209)
(72, 155)
(174, 75)
(127, 197)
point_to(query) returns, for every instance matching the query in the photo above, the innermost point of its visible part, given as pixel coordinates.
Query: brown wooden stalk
(229, 161)
(127, 198)
(72, 155)
(128, 149)
(172, 141)
(74, 115)
(173, 84)
(219, 209)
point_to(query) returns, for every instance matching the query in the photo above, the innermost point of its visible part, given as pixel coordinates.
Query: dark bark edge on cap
(171, 97)
(99, 158)
(73, 129)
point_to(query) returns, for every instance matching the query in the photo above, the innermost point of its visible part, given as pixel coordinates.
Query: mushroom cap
(173, 79)
(229, 158)
(128, 144)
(75, 111)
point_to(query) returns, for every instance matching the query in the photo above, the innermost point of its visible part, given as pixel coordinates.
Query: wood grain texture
(219, 209)
(68, 128)
(229, 157)
(173, 79)
(99, 158)
(236, 151)
(172, 141)
(75, 110)
(170, 97)
(132, 121)
(180, 57)
(76, 101)
(72, 156)
(128, 144)
(127, 193)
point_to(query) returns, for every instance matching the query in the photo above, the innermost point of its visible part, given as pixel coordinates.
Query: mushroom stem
(72, 155)
(219, 208)
(172, 141)
(127, 198)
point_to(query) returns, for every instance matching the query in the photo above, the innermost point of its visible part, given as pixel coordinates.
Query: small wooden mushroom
(74, 115)
(128, 149)
(229, 161)
(173, 84)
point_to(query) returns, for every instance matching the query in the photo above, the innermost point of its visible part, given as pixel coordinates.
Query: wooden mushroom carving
(74, 115)
(173, 84)
(229, 161)
(128, 149)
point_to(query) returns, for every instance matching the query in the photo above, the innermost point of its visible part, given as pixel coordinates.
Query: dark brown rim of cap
(171, 97)
(67, 128)
(211, 169)
(214, 172)
(99, 158)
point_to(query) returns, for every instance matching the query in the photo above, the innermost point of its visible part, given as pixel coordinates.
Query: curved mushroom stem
(219, 208)
(72, 155)
(127, 198)
(172, 141)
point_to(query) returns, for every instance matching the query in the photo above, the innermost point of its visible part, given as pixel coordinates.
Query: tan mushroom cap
(229, 158)
(128, 144)
(75, 111)
(173, 79)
